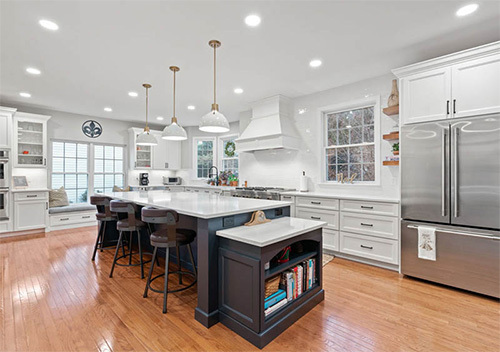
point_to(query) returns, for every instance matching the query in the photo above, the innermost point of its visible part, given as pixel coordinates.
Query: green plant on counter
(395, 147)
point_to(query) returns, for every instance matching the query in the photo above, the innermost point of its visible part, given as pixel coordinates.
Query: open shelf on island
(294, 260)
(293, 302)
(391, 163)
(393, 136)
(392, 110)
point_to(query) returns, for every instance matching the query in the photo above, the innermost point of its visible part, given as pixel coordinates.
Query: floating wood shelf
(392, 110)
(391, 136)
(391, 163)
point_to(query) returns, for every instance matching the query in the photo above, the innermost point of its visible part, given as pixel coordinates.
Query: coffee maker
(144, 179)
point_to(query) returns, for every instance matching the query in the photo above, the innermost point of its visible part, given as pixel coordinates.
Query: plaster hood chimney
(271, 127)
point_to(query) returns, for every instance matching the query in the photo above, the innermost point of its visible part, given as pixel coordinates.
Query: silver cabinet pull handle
(365, 207)
(315, 217)
(455, 173)
(369, 225)
(86, 217)
(64, 219)
(31, 195)
(443, 175)
(367, 247)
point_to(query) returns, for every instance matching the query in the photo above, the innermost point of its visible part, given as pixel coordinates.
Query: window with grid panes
(205, 149)
(108, 168)
(350, 144)
(70, 169)
(229, 162)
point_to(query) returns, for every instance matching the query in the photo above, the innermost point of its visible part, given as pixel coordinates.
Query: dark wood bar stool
(103, 215)
(166, 235)
(128, 222)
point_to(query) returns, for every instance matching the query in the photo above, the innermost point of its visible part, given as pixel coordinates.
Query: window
(350, 144)
(204, 155)
(229, 160)
(70, 169)
(108, 168)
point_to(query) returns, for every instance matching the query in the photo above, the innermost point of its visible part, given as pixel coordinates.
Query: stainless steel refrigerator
(450, 180)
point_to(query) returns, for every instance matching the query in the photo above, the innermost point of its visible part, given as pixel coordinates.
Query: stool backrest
(165, 221)
(102, 204)
(124, 210)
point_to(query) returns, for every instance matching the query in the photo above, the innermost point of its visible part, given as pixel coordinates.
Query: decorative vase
(394, 97)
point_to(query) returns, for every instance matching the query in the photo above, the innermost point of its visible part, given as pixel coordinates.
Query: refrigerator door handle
(455, 172)
(443, 175)
(461, 233)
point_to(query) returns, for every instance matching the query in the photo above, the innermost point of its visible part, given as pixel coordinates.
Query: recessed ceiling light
(25, 95)
(466, 10)
(159, 118)
(191, 107)
(108, 109)
(302, 111)
(49, 25)
(252, 20)
(315, 63)
(238, 90)
(133, 94)
(33, 71)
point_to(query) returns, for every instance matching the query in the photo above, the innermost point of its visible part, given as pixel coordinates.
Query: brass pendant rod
(174, 94)
(147, 86)
(215, 70)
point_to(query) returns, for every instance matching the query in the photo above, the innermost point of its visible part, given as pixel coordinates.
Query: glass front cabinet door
(30, 135)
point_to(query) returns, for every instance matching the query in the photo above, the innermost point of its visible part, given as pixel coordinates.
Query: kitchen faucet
(210, 174)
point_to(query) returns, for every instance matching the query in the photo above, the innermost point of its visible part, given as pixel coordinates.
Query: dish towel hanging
(427, 243)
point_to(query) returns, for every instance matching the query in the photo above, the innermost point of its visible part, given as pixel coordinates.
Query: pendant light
(174, 131)
(146, 138)
(214, 121)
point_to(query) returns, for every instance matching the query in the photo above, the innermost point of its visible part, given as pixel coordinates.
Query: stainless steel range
(270, 193)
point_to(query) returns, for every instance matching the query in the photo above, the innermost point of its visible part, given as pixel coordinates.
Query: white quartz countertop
(337, 196)
(17, 190)
(272, 232)
(228, 188)
(200, 205)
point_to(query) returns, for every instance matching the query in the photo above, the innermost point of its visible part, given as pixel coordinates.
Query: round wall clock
(92, 129)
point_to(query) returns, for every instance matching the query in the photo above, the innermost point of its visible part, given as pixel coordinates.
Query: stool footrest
(173, 272)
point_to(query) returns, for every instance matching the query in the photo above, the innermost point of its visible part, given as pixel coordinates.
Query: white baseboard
(362, 260)
(71, 226)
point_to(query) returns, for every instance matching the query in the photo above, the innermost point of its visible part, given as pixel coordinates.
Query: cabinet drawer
(314, 202)
(30, 196)
(70, 218)
(376, 208)
(330, 239)
(369, 247)
(381, 226)
(331, 217)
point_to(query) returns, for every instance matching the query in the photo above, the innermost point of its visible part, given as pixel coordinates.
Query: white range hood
(270, 127)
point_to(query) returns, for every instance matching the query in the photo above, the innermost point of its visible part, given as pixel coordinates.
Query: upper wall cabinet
(30, 140)
(164, 156)
(457, 85)
(5, 126)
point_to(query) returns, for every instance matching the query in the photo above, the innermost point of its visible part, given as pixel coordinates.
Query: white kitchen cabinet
(427, 96)
(5, 126)
(30, 140)
(167, 154)
(30, 210)
(476, 87)
(141, 156)
(462, 84)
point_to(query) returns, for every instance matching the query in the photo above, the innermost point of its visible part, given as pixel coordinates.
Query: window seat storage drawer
(21, 196)
(331, 217)
(72, 218)
(380, 249)
(330, 239)
(375, 225)
(316, 202)
(375, 208)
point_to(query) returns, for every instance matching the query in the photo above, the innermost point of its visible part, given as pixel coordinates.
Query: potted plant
(223, 177)
(395, 149)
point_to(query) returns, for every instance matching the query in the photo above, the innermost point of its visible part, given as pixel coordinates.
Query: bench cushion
(72, 208)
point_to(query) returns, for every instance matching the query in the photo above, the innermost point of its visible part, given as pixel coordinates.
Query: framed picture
(20, 181)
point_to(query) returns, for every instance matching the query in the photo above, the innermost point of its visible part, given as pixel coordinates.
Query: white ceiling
(104, 49)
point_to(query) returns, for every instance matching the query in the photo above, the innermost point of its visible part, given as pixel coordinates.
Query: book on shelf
(275, 307)
(297, 280)
(274, 298)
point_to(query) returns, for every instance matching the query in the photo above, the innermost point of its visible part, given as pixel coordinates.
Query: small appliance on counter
(170, 181)
(144, 179)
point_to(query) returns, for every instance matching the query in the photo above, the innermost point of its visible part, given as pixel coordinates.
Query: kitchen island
(206, 214)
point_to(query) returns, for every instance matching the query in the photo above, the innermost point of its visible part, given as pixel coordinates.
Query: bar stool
(167, 235)
(103, 215)
(127, 222)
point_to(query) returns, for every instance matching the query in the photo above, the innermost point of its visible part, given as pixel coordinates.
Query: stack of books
(298, 279)
(274, 302)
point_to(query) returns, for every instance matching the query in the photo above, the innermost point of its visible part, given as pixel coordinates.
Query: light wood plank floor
(53, 298)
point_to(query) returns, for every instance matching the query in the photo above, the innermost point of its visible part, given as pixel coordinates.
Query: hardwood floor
(53, 298)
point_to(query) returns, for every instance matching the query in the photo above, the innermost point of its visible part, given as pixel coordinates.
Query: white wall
(283, 168)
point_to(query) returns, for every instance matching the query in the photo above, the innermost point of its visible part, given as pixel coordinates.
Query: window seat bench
(72, 216)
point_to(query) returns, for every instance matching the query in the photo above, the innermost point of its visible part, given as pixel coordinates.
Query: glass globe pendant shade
(146, 138)
(214, 122)
(174, 132)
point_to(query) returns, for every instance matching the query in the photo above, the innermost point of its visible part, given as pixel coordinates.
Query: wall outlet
(228, 221)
